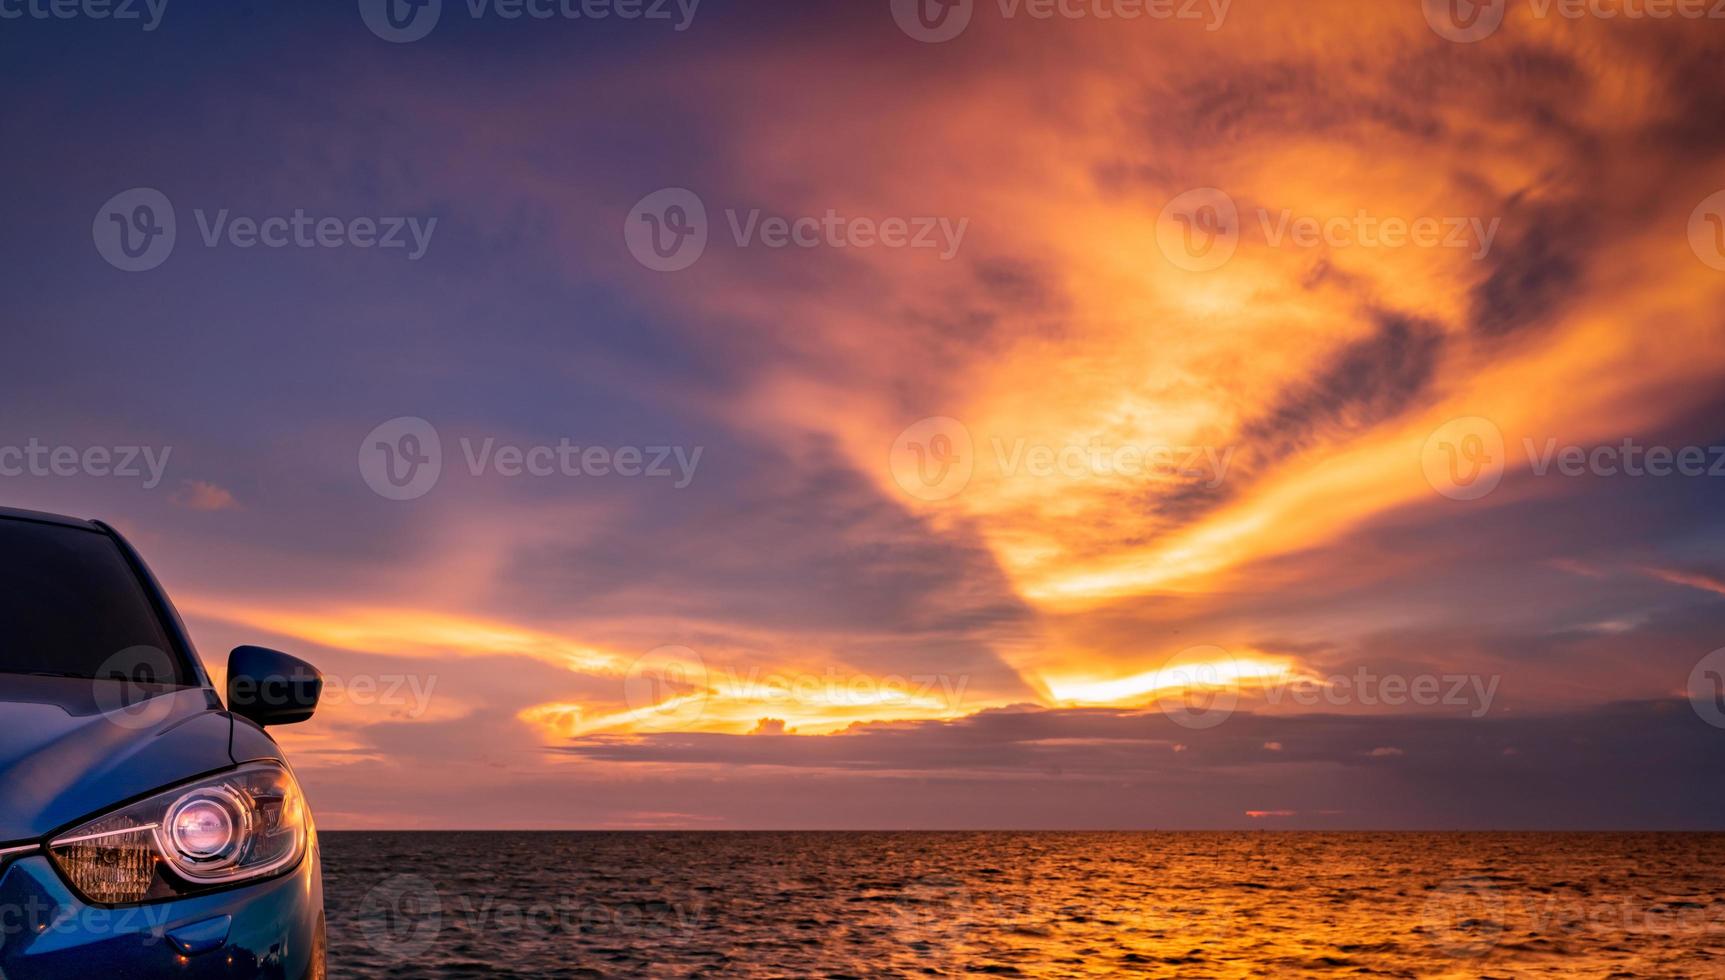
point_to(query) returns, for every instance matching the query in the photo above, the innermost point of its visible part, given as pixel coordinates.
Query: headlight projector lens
(203, 829)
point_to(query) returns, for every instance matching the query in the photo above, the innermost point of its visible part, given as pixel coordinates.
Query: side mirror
(270, 687)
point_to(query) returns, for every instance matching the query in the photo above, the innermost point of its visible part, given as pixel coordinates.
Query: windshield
(71, 605)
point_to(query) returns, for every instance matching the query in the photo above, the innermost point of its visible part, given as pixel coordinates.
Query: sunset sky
(969, 516)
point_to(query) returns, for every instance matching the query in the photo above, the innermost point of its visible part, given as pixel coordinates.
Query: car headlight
(242, 825)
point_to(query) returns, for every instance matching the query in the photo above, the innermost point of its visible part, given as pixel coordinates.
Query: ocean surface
(1024, 904)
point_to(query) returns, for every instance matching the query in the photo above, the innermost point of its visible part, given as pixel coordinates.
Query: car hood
(64, 757)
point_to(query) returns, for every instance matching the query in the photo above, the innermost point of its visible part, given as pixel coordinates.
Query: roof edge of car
(40, 517)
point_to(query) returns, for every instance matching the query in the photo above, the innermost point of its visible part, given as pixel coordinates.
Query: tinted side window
(70, 604)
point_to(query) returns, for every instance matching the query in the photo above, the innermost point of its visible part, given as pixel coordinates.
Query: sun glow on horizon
(1195, 674)
(1302, 382)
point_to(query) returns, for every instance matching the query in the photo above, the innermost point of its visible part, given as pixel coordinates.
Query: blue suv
(145, 830)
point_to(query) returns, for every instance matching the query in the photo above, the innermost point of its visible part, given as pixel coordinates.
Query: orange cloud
(202, 495)
(1694, 580)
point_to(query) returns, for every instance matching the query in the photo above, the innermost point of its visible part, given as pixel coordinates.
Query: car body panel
(64, 758)
(250, 743)
(72, 749)
(274, 931)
